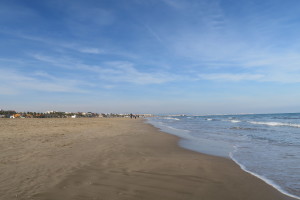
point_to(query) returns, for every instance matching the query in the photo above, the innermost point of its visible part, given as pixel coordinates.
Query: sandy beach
(110, 159)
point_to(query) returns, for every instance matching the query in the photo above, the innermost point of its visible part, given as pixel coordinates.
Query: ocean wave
(267, 139)
(164, 126)
(211, 119)
(177, 129)
(234, 121)
(275, 124)
(171, 118)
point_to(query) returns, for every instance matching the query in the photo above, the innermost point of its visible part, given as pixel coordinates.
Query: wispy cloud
(153, 33)
(56, 43)
(16, 82)
(72, 46)
(112, 71)
(91, 50)
(221, 43)
(126, 72)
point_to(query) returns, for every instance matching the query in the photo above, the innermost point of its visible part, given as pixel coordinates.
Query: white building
(49, 112)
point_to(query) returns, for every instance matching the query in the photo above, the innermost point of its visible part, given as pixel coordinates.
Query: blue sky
(150, 56)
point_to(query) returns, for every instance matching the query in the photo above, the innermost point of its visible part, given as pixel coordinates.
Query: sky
(150, 56)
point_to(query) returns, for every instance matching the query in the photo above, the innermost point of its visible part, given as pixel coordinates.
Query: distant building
(50, 112)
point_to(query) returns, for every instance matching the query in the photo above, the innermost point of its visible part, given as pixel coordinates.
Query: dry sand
(107, 159)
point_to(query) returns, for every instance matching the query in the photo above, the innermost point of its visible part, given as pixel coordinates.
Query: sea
(264, 145)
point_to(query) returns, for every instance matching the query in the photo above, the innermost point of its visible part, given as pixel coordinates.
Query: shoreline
(114, 159)
(229, 157)
(267, 181)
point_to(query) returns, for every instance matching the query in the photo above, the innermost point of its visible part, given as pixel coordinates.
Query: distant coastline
(60, 114)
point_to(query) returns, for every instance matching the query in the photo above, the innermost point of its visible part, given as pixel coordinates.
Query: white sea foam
(276, 124)
(232, 120)
(177, 129)
(209, 119)
(171, 118)
(235, 121)
(164, 127)
(269, 182)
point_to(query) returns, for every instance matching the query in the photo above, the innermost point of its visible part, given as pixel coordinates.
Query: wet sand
(108, 159)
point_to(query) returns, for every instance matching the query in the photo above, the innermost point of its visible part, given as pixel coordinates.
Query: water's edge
(267, 181)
